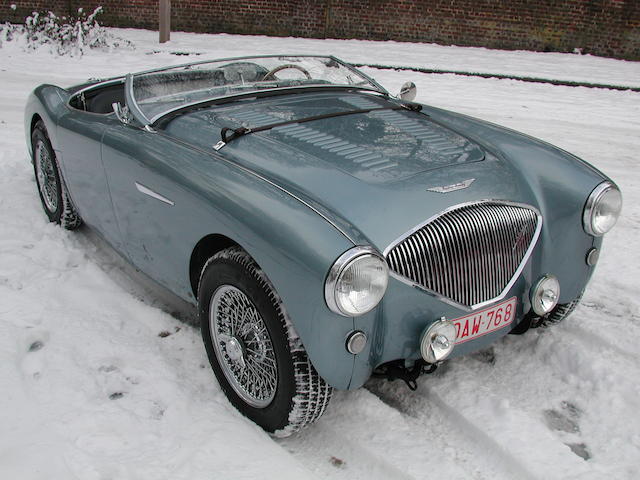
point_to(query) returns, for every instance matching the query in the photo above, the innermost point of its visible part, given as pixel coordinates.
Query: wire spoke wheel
(52, 190)
(243, 346)
(253, 348)
(46, 175)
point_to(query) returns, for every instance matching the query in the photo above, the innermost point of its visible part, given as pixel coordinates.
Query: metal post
(165, 20)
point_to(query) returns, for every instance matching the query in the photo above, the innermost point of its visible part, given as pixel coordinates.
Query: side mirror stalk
(122, 113)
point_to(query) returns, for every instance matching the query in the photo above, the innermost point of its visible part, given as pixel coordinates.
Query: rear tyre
(253, 349)
(53, 192)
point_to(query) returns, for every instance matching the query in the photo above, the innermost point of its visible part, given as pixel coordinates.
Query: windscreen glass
(158, 92)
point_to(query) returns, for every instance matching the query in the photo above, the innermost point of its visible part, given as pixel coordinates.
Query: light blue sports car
(325, 230)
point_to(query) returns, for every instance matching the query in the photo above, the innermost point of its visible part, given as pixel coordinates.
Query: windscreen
(158, 92)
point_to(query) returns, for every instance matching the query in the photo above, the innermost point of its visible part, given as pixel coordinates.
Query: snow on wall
(601, 27)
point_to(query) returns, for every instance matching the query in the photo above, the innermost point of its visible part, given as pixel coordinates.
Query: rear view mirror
(408, 91)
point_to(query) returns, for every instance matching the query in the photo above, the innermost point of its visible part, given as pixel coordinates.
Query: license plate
(485, 321)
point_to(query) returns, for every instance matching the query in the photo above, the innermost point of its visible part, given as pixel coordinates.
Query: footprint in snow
(485, 356)
(35, 346)
(566, 420)
(107, 368)
(559, 421)
(33, 364)
(579, 449)
(10, 283)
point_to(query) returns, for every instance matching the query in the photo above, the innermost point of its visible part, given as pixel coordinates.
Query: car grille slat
(469, 254)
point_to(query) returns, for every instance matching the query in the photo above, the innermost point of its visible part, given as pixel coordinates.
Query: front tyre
(253, 349)
(557, 315)
(53, 192)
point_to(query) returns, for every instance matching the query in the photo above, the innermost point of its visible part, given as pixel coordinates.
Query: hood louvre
(383, 143)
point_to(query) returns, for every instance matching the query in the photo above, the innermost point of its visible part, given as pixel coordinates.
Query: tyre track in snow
(489, 430)
(595, 341)
(330, 453)
(479, 447)
(379, 435)
(581, 332)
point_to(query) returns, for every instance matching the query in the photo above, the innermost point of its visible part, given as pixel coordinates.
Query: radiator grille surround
(469, 255)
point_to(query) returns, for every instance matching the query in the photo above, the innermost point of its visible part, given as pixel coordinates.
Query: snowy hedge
(62, 35)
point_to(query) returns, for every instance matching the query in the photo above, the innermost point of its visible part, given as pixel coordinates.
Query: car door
(80, 137)
(154, 208)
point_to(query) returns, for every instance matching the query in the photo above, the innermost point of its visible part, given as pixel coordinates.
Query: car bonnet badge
(453, 187)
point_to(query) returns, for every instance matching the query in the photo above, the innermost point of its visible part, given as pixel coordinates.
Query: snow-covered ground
(91, 390)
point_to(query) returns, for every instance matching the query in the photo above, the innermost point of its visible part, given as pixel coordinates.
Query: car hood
(374, 175)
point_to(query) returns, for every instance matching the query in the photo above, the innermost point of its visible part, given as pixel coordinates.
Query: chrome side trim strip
(147, 191)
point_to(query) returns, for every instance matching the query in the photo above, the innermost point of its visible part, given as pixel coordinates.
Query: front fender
(559, 183)
(291, 243)
(296, 247)
(48, 103)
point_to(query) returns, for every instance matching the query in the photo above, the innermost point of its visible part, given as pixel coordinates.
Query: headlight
(357, 281)
(602, 209)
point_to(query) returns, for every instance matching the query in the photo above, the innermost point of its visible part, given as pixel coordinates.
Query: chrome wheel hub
(45, 173)
(234, 350)
(242, 346)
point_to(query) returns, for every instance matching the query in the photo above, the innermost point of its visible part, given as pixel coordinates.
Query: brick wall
(601, 27)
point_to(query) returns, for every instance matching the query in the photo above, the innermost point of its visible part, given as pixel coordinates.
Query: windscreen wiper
(228, 134)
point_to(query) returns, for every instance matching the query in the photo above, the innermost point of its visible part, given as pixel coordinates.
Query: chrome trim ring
(243, 346)
(338, 267)
(592, 256)
(356, 341)
(46, 175)
(592, 201)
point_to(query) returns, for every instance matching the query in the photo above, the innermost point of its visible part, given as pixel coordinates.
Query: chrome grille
(469, 254)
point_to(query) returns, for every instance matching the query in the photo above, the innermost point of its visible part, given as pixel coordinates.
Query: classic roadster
(325, 230)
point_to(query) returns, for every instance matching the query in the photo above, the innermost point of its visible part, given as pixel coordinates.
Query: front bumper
(394, 328)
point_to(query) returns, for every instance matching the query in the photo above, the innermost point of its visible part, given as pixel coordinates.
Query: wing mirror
(122, 113)
(408, 91)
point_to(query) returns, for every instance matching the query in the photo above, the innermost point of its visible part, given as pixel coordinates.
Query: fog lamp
(545, 294)
(438, 340)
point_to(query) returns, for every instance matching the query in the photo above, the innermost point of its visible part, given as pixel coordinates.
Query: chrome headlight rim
(344, 261)
(594, 199)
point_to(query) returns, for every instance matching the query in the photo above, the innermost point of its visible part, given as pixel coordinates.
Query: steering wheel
(270, 74)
